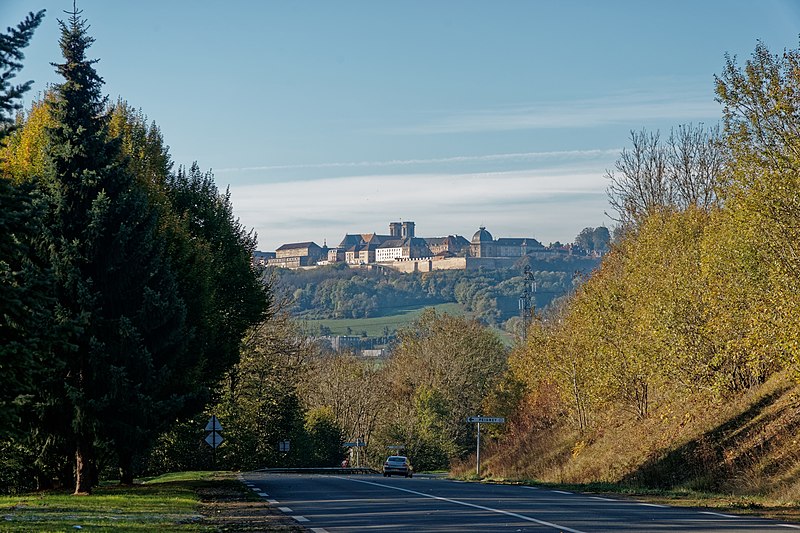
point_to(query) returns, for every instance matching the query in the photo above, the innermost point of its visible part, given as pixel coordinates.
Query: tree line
(491, 295)
(699, 293)
(126, 287)
(287, 388)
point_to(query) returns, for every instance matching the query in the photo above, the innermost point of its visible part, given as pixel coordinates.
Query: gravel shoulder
(229, 506)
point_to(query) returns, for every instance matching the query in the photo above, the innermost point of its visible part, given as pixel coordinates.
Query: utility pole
(527, 301)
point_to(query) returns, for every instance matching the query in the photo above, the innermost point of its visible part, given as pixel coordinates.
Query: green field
(375, 326)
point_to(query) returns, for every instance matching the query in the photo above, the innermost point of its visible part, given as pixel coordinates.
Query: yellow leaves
(23, 155)
(578, 448)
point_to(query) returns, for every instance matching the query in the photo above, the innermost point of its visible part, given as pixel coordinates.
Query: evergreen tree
(11, 44)
(229, 297)
(24, 281)
(114, 281)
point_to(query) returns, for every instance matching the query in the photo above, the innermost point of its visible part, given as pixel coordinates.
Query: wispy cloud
(486, 158)
(633, 107)
(547, 204)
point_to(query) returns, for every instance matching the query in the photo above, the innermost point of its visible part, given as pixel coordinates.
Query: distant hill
(492, 296)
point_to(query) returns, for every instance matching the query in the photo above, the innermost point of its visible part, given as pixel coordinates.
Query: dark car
(397, 464)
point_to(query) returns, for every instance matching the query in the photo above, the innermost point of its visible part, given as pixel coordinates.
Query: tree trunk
(84, 463)
(125, 469)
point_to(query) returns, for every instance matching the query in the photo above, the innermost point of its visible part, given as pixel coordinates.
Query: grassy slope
(743, 450)
(401, 318)
(374, 326)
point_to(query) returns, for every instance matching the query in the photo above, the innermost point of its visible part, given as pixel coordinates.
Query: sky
(325, 118)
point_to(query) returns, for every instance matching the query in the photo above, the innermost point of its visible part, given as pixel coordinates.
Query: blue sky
(330, 117)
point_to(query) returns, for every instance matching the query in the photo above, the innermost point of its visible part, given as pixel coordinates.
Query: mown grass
(375, 326)
(166, 504)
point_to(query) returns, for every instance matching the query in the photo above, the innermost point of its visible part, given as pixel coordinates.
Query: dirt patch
(228, 506)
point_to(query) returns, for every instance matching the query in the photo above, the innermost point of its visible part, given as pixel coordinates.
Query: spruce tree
(114, 281)
(24, 280)
(11, 44)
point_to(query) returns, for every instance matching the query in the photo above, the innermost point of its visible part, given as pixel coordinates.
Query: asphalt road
(330, 503)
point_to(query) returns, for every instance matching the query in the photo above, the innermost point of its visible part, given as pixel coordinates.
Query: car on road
(397, 464)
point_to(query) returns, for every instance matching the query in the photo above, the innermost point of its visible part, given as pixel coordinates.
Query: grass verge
(180, 502)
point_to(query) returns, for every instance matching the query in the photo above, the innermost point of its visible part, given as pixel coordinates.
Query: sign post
(485, 420)
(213, 438)
(359, 443)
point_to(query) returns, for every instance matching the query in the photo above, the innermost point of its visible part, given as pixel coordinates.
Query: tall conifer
(115, 284)
(23, 280)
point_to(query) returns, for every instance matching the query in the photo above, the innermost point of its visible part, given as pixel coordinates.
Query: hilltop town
(402, 250)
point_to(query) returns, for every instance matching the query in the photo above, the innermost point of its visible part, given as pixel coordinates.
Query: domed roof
(482, 236)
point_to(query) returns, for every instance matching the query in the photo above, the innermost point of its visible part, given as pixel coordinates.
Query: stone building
(406, 248)
(484, 245)
(452, 245)
(516, 247)
(298, 254)
(360, 249)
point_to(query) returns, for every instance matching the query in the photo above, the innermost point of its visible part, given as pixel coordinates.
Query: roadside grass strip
(156, 506)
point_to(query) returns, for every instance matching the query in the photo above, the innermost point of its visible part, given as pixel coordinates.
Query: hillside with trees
(675, 364)
(491, 295)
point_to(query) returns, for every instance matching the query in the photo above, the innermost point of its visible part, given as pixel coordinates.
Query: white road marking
(272, 502)
(467, 504)
(560, 492)
(602, 499)
(300, 518)
(718, 514)
(319, 530)
(263, 494)
(653, 505)
(529, 487)
(285, 509)
(789, 525)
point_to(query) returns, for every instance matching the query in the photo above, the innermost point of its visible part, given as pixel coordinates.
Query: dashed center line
(602, 499)
(561, 492)
(712, 513)
(653, 505)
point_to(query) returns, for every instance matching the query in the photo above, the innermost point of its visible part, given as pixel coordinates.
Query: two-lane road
(327, 503)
